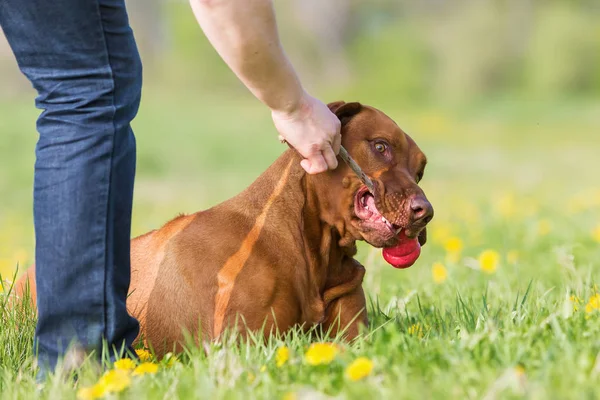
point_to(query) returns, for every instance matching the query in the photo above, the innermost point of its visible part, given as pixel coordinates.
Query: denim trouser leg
(81, 57)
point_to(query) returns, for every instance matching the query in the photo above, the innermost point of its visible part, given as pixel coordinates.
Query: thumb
(306, 164)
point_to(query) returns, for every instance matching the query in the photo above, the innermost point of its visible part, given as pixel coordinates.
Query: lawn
(503, 303)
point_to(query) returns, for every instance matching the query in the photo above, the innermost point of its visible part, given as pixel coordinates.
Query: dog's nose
(422, 210)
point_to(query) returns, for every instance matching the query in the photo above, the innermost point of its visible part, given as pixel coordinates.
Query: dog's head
(395, 164)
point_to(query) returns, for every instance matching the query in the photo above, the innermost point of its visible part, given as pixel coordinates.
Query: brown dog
(280, 253)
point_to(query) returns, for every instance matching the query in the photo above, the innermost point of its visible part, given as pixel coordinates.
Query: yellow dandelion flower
(263, 368)
(321, 353)
(415, 330)
(94, 392)
(359, 369)
(100, 390)
(593, 304)
(290, 396)
(576, 302)
(145, 368)
(506, 205)
(512, 257)
(439, 272)
(143, 354)
(126, 364)
(113, 381)
(519, 370)
(453, 245)
(170, 359)
(86, 393)
(488, 261)
(596, 233)
(544, 227)
(588, 308)
(282, 355)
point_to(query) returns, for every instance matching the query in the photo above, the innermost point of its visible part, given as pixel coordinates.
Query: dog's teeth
(367, 207)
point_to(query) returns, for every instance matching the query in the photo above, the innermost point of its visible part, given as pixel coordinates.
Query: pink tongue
(404, 254)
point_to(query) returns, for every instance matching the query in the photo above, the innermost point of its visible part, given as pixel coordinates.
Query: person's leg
(81, 57)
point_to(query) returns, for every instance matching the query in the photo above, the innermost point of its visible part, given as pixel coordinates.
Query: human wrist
(291, 107)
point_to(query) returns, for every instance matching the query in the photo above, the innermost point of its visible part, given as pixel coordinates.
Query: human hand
(314, 131)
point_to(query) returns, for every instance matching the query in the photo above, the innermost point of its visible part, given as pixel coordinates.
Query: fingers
(315, 164)
(330, 157)
(337, 137)
(320, 162)
(306, 165)
(337, 143)
(315, 134)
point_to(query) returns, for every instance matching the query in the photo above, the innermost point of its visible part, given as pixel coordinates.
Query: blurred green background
(502, 95)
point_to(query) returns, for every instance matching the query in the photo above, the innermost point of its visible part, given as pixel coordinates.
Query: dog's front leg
(346, 309)
(346, 314)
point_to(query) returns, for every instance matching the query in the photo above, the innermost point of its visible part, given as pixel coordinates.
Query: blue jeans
(82, 59)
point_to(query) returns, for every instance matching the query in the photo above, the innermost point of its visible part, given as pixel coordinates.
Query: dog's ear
(423, 237)
(344, 111)
(335, 105)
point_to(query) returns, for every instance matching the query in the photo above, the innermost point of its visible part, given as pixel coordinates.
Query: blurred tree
(564, 52)
(442, 50)
(327, 24)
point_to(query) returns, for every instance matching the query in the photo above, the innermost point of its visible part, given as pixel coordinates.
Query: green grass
(514, 178)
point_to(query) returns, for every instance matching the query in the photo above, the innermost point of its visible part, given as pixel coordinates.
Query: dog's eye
(380, 147)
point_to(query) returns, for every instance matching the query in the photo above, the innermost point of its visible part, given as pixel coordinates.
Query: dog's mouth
(398, 250)
(366, 210)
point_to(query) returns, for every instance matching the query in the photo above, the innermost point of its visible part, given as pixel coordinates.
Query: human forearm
(244, 33)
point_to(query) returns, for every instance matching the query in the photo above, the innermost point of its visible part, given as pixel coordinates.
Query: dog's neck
(308, 202)
(323, 213)
(325, 239)
(302, 211)
(324, 225)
